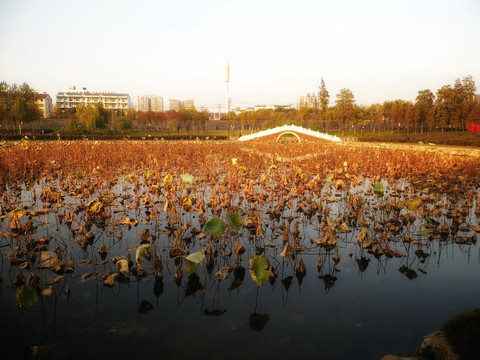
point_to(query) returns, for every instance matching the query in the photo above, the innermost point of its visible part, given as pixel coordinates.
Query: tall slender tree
(323, 100)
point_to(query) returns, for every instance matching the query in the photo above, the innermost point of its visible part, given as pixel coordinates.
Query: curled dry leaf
(238, 249)
(287, 251)
(48, 291)
(300, 268)
(363, 238)
(122, 266)
(336, 258)
(143, 253)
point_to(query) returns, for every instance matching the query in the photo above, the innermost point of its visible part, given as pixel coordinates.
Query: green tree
(6, 101)
(101, 117)
(375, 115)
(121, 122)
(361, 116)
(447, 111)
(174, 120)
(387, 114)
(74, 127)
(424, 102)
(454, 103)
(56, 113)
(230, 116)
(87, 116)
(345, 107)
(17, 104)
(465, 91)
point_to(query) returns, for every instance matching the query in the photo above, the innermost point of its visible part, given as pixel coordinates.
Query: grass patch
(463, 333)
(459, 138)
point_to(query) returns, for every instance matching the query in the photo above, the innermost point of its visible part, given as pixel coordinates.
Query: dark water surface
(362, 308)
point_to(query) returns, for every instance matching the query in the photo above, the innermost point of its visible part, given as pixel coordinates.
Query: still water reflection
(356, 305)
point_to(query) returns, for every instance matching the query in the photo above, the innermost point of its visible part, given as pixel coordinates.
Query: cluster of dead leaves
(99, 191)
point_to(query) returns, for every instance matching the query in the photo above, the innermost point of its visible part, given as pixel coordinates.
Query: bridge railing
(294, 128)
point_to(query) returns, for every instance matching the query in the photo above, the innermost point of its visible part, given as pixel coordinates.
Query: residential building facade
(174, 105)
(309, 101)
(150, 103)
(44, 104)
(188, 104)
(177, 105)
(70, 99)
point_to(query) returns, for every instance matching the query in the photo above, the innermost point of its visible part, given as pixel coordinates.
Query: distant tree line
(452, 107)
(90, 118)
(17, 105)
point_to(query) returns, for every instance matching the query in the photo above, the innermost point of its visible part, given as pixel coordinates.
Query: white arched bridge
(298, 132)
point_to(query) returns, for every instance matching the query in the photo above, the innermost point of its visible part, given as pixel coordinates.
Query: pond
(355, 270)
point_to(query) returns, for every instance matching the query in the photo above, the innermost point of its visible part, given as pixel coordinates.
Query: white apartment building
(150, 102)
(174, 105)
(188, 104)
(177, 105)
(44, 104)
(72, 98)
(309, 101)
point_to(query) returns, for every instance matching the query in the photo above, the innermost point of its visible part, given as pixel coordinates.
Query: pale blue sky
(278, 50)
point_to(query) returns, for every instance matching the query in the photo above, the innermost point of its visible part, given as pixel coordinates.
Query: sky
(277, 50)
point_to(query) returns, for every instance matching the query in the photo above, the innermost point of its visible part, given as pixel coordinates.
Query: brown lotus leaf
(86, 275)
(157, 266)
(466, 240)
(300, 268)
(363, 238)
(238, 249)
(222, 274)
(48, 291)
(336, 258)
(110, 279)
(287, 251)
(343, 228)
(178, 274)
(103, 250)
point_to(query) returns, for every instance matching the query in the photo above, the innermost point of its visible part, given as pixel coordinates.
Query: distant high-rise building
(174, 105)
(177, 105)
(309, 101)
(72, 98)
(44, 104)
(150, 102)
(188, 104)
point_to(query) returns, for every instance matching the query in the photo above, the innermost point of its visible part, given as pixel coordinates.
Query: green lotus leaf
(378, 189)
(191, 266)
(259, 269)
(196, 257)
(235, 221)
(413, 203)
(214, 227)
(80, 174)
(187, 178)
(26, 297)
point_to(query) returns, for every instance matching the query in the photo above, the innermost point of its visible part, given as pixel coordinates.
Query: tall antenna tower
(227, 80)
